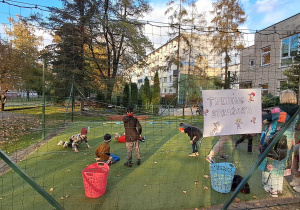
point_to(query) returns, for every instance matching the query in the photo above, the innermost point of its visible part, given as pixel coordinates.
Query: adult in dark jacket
(195, 134)
(133, 131)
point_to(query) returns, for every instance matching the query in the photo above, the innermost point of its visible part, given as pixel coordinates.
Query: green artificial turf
(166, 179)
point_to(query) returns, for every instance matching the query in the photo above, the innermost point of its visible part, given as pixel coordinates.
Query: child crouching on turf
(195, 134)
(76, 140)
(103, 151)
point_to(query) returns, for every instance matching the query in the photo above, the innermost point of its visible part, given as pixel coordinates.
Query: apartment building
(195, 59)
(274, 50)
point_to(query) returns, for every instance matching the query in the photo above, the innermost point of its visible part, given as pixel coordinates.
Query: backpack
(237, 179)
(279, 152)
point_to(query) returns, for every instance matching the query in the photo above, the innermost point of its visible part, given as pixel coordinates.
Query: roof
(280, 21)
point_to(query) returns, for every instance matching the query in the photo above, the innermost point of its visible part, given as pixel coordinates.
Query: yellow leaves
(14, 127)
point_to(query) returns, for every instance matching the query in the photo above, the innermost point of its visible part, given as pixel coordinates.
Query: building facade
(194, 58)
(274, 50)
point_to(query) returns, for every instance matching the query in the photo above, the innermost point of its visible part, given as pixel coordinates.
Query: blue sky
(260, 13)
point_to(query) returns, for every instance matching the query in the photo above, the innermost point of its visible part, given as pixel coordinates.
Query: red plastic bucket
(95, 179)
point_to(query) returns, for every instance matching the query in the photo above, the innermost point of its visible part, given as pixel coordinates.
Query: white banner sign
(228, 112)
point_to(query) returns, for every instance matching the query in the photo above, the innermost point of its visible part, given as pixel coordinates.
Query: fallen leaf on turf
(67, 196)
(118, 175)
(51, 189)
(196, 182)
(254, 197)
(85, 153)
(236, 162)
(205, 188)
(71, 185)
(257, 204)
(68, 170)
(206, 176)
(62, 198)
(184, 192)
(145, 185)
(155, 162)
(237, 200)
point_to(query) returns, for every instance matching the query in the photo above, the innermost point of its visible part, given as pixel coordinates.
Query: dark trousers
(195, 146)
(243, 137)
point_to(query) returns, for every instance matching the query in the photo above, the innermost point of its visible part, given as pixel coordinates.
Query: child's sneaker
(210, 160)
(197, 153)
(138, 162)
(192, 154)
(274, 194)
(223, 157)
(60, 143)
(128, 164)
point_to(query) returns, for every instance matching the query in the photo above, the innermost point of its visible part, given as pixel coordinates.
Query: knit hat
(107, 137)
(129, 109)
(83, 131)
(182, 126)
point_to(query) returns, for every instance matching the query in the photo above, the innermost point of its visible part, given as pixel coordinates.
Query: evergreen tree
(134, 94)
(98, 39)
(146, 93)
(293, 75)
(156, 93)
(126, 95)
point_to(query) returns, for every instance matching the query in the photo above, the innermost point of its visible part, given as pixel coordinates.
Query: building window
(266, 56)
(282, 83)
(165, 79)
(165, 90)
(170, 77)
(289, 48)
(264, 89)
(170, 91)
(251, 63)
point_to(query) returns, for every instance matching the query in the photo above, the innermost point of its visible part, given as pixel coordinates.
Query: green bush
(268, 100)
